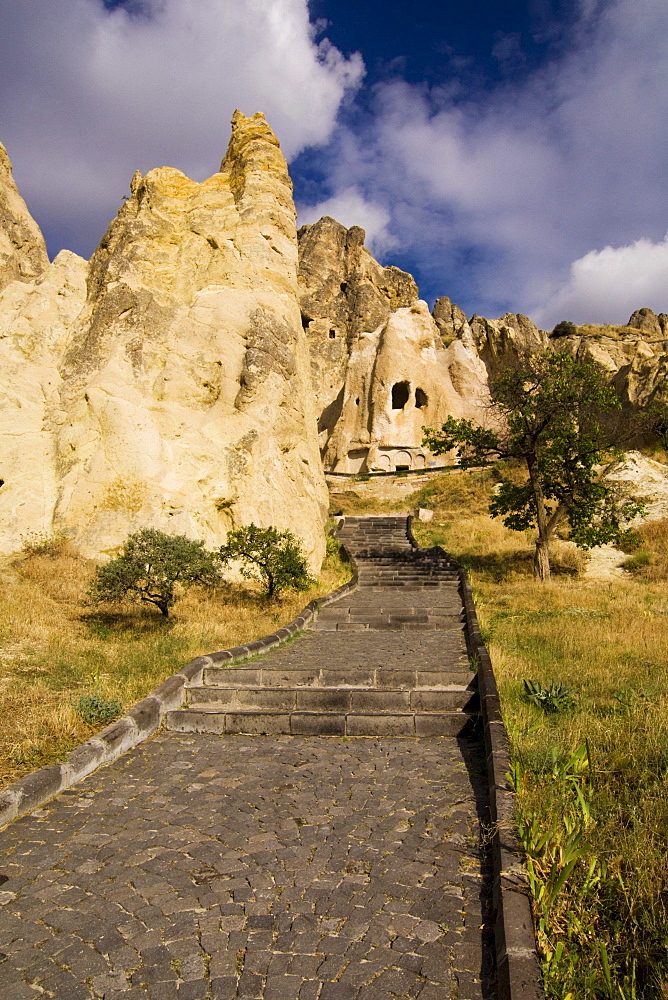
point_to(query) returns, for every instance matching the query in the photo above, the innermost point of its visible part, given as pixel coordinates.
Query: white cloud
(351, 208)
(87, 95)
(606, 286)
(496, 193)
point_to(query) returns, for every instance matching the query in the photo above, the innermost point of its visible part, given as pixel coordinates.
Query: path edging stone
(143, 719)
(518, 968)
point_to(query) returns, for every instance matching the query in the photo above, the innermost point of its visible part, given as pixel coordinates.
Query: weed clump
(555, 698)
(95, 709)
(46, 544)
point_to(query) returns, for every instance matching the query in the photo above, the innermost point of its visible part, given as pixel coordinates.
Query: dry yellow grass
(628, 333)
(54, 648)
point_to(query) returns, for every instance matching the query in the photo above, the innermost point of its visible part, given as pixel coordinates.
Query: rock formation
(22, 249)
(381, 371)
(635, 356)
(196, 372)
(167, 383)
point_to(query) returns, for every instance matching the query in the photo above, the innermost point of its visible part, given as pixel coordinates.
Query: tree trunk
(541, 560)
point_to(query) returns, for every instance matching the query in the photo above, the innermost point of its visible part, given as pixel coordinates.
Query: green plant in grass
(151, 568)
(95, 709)
(558, 697)
(637, 561)
(274, 557)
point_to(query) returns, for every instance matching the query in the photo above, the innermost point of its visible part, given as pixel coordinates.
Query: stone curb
(518, 969)
(142, 720)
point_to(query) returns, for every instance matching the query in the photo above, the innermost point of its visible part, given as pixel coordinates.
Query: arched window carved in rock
(401, 392)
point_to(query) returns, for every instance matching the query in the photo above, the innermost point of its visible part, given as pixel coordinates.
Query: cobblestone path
(204, 867)
(279, 867)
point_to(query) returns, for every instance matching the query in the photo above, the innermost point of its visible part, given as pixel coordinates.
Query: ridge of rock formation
(167, 383)
(380, 369)
(635, 356)
(23, 253)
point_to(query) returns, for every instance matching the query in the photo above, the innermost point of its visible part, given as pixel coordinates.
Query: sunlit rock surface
(167, 383)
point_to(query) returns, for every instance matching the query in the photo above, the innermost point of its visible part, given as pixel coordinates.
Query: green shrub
(637, 561)
(150, 568)
(274, 557)
(565, 329)
(96, 709)
(332, 546)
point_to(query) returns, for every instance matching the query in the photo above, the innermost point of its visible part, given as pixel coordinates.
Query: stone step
(338, 700)
(399, 608)
(453, 724)
(381, 624)
(437, 678)
(399, 578)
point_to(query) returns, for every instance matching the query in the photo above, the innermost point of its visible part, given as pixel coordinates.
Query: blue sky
(513, 156)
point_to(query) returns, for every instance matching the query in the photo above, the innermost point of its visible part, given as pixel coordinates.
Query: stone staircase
(350, 674)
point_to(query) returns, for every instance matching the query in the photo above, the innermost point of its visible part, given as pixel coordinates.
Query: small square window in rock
(332, 334)
(421, 398)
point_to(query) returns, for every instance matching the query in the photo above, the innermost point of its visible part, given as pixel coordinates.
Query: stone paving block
(443, 724)
(260, 723)
(224, 988)
(388, 700)
(380, 725)
(323, 700)
(310, 723)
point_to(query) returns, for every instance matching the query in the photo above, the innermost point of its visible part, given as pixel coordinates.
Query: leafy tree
(550, 409)
(272, 556)
(151, 566)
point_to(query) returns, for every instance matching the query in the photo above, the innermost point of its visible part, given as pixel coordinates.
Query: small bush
(637, 561)
(332, 546)
(565, 329)
(95, 709)
(150, 568)
(274, 557)
(45, 544)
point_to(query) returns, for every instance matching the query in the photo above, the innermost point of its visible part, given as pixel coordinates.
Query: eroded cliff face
(384, 368)
(635, 356)
(23, 253)
(381, 371)
(167, 383)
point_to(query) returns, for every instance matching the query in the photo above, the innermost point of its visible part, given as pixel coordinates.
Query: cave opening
(401, 392)
(421, 398)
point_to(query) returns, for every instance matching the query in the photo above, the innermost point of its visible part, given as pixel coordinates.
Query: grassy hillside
(591, 756)
(55, 650)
